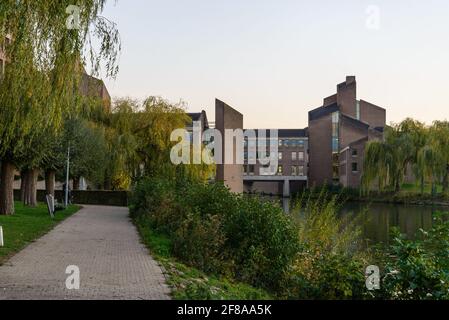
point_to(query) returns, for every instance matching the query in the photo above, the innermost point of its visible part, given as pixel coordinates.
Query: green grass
(27, 225)
(188, 283)
(416, 188)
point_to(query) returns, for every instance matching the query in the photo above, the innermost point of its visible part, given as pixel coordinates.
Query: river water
(378, 219)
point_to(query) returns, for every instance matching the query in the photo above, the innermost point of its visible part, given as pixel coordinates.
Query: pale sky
(275, 60)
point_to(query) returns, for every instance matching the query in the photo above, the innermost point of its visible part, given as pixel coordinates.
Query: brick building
(338, 133)
(95, 88)
(292, 170)
(198, 117)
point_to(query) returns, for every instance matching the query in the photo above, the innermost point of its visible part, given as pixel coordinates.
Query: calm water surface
(377, 219)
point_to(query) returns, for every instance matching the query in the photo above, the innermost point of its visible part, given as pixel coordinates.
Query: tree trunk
(422, 185)
(76, 183)
(23, 178)
(107, 184)
(397, 186)
(31, 188)
(50, 182)
(446, 180)
(7, 188)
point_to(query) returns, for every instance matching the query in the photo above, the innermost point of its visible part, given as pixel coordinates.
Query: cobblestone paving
(104, 244)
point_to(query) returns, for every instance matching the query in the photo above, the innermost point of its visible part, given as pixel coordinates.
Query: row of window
(294, 170)
(293, 143)
(294, 156)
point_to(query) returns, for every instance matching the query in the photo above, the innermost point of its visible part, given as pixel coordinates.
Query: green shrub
(319, 255)
(331, 260)
(418, 269)
(199, 243)
(217, 231)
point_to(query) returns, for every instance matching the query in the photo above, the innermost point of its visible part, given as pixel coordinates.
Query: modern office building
(329, 152)
(292, 170)
(338, 133)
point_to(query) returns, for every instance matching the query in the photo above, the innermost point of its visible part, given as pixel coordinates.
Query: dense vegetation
(409, 147)
(315, 256)
(39, 87)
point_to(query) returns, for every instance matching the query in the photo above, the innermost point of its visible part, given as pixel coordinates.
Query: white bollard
(1, 236)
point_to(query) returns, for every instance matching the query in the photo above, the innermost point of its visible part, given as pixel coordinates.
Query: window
(294, 171)
(357, 108)
(280, 155)
(335, 146)
(354, 152)
(301, 156)
(280, 170)
(301, 144)
(355, 167)
(335, 131)
(245, 171)
(281, 143)
(301, 171)
(251, 170)
(294, 156)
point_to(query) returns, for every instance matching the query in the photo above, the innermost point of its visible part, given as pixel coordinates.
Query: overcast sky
(275, 60)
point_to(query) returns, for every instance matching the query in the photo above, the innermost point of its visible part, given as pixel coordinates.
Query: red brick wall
(350, 133)
(330, 100)
(373, 115)
(346, 96)
(320, 151)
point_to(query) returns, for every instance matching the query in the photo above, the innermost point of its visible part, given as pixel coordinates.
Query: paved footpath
(104, 244)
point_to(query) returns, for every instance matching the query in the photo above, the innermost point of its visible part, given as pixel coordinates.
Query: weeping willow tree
(377, 165)
(418, 135)
(439, 140)
(40, 84)
(430, 163)
(387, 161)
(139, 142)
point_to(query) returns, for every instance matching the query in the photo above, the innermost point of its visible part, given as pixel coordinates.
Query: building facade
(200, 117)
(292, 168)
(329, 152)
(338, 133)
(227, 118)
(95, 88)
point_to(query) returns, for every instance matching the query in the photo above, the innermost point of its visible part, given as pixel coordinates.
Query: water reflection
(378, 219)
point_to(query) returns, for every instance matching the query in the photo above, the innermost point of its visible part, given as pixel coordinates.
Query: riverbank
(218, 245)
(402, 197)
(188, 283)
(351, 195)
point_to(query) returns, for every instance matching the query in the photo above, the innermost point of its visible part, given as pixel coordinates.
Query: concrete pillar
(286, 193)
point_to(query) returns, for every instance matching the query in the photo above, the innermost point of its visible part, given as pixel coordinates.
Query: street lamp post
(67, 178)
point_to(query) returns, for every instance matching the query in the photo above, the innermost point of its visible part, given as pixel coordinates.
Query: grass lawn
(188, 283)
(27, 225)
